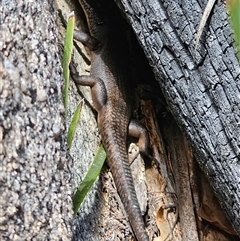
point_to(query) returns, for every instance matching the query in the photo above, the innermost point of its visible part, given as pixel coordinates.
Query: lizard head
(102, 17)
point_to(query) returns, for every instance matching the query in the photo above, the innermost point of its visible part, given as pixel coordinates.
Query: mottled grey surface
(35, 176)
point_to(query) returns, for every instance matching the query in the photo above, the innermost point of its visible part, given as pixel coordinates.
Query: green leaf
(234, 8)
(73, 125)
(67, 53)
(89, 179)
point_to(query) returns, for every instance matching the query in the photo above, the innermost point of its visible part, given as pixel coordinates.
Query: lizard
(109, 80)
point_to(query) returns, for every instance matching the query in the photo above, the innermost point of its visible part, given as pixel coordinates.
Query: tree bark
(201, 85)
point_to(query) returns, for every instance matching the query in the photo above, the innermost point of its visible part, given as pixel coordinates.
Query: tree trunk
(201, 86)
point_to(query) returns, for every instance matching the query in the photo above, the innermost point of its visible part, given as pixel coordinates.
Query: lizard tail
(122, 176)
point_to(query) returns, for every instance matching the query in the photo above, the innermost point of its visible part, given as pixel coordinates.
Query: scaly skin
(109, 80)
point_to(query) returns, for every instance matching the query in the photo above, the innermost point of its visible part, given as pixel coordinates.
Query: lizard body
(109, 81)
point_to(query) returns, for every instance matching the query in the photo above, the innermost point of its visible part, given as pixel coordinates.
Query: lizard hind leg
(137, 130)
(98, 90)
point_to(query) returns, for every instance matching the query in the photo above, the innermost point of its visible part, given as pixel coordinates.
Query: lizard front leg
(86, 39)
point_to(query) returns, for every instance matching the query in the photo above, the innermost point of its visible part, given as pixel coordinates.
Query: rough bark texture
(201, 86)
(35, 176)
